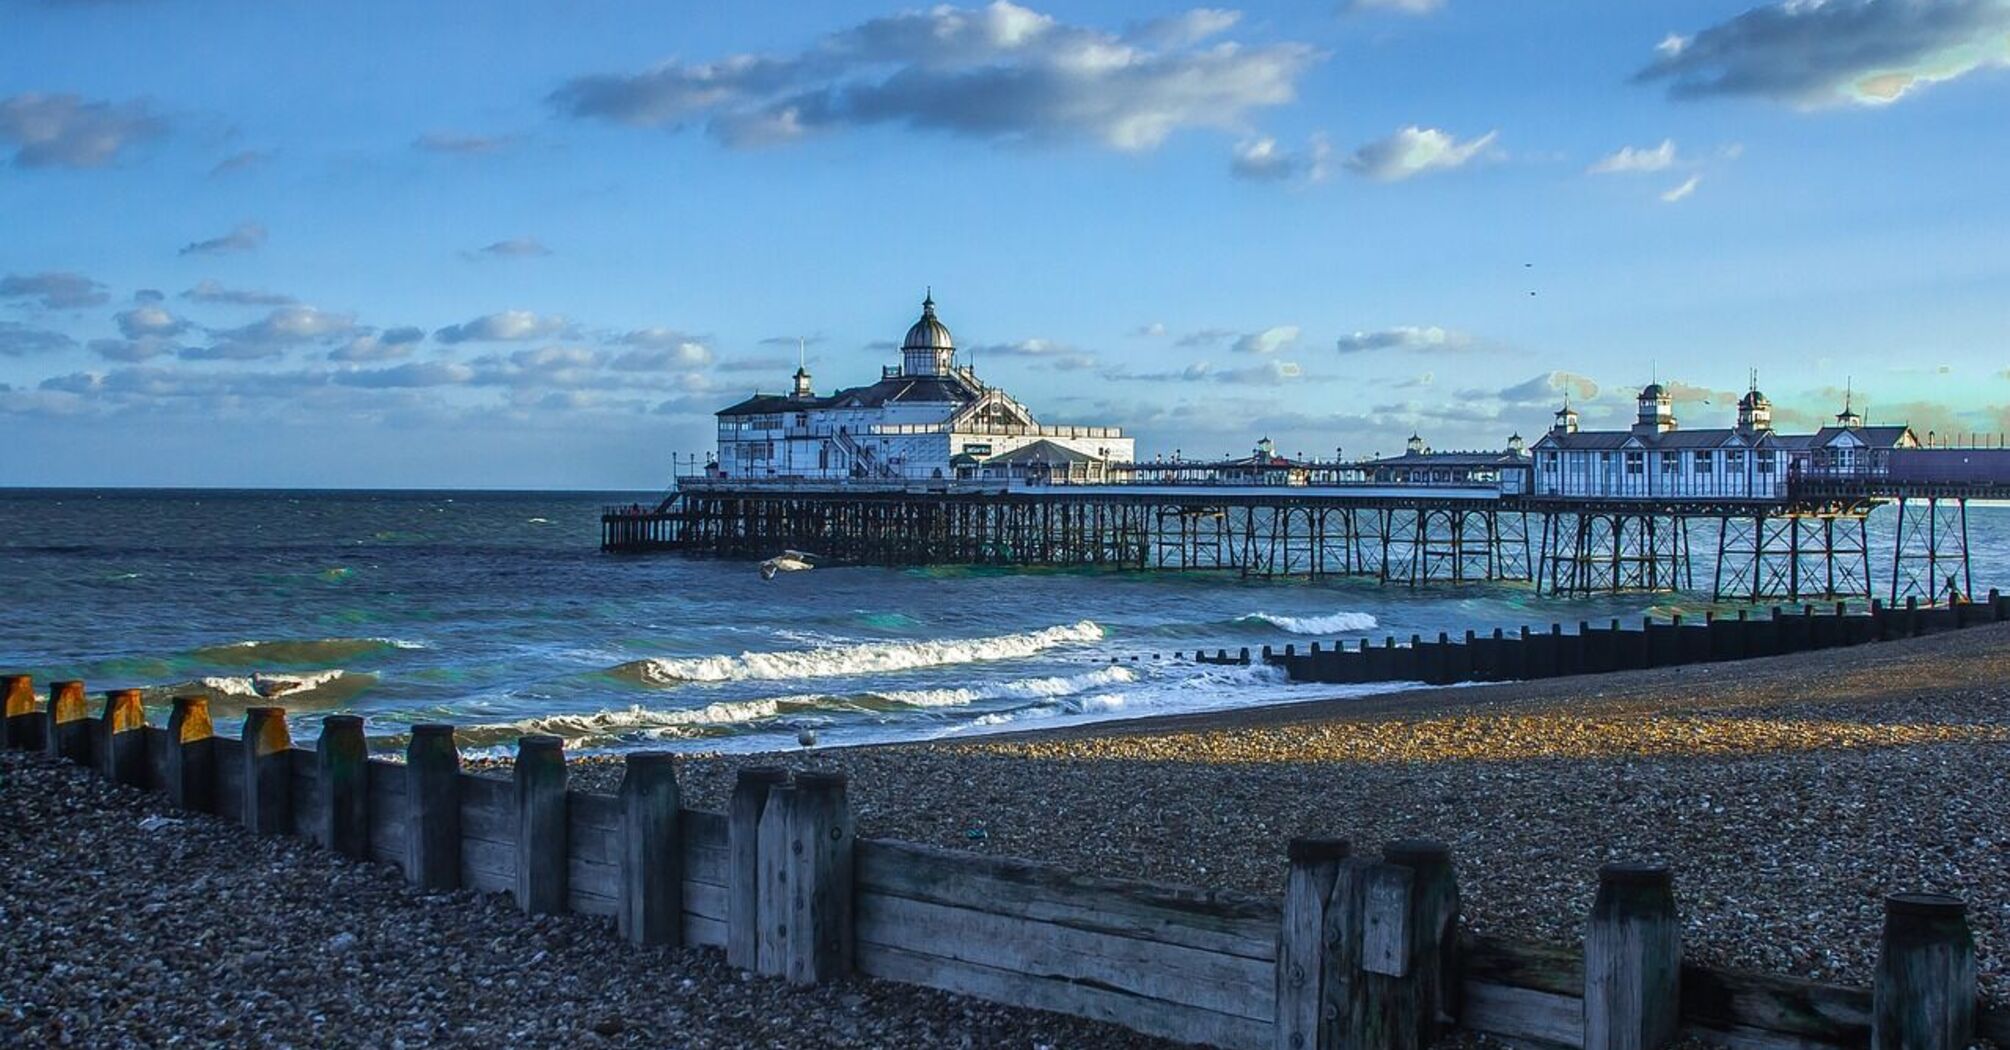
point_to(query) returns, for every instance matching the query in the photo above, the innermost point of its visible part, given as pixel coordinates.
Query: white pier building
(927, 418)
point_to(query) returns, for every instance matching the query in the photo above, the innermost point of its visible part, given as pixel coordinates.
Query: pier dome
(928, 349)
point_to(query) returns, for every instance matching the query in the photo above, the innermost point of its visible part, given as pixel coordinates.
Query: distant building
(1656, 459)
(1421, 465)
(927, 418)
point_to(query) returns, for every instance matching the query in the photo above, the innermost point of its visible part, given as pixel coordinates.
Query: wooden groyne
(1554, 652)
(1363, 950)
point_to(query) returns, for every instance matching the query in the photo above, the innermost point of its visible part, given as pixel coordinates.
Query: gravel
(196, 933)
(1790, 795)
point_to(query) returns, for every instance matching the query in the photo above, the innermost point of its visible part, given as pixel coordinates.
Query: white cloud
(1268, 341)
(65, 131)
(1264, 160)
(514, 248)
(148, 319)
(1682, 191)
(1001, 72)
(1813, 53)
(209, 291)
(19, 340)
(388, 345)
(273, 334)
(1631, 159)
(1414, 338)
(509, 326)
(1412, 151)
(1406, 7)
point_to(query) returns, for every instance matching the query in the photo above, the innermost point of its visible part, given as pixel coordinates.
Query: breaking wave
(298, 651)
(307, 689)
(863, 658)
(1337, 623)
(1024, 689)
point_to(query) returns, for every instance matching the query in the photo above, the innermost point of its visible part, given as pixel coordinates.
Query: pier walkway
(1805, 540)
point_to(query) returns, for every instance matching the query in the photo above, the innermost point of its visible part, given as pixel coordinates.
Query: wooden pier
(1808, 543)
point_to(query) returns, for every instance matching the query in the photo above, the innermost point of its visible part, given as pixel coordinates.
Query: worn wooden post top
(1314, 850)
(122, 753)
(341, 762)
(651, 905)
(268, 775)
(68, 732)
(1925, 991)
(542, 863)
(1635, 873)
(189, 719)
(17, 694)
(433, 808)
(265, 731)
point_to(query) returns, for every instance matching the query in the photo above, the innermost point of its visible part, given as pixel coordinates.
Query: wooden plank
(1227, 984)
(1301, 965)
(488, 814)
(772, 871)
(704, 930)
(1539, 967)
(651, 904)
(599, 880)
(583, 903)
(1150, 1016)
(821, 847)
(386, 784)
(304, 786)
(488, 866)
(703, 898)
(227, 756)
(542, 825)
(1211, 920)
(704, 836)
(1727, 999)
(1385, 921)
(600, 812)
(594, 844)
(1523, 1013)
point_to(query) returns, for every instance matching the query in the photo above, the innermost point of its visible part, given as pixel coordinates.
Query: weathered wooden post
(1302, 964)
(652, 851)
(541, 847)
(342, 765)
(1632, 960)
(190, 768)
(122, 739)
(268, 771)
(433, 808)
(820, 898)
(1923, 997)
(776, 876)
(743, 871)
(67, 726)
(18, 724)
(1434, 932)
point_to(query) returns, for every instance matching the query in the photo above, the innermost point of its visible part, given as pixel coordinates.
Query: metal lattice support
(1930, 554)
(1608, 552)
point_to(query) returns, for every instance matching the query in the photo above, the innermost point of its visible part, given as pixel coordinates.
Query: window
(1705, 461)
(1636, 462)
(1671, 462)
(1549, 462)
(1734, 461)
(1765, 461)
(1605, 458)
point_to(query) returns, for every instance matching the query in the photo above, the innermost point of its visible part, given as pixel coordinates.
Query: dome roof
(1752, 398)
(928, 333)
(1653, 390)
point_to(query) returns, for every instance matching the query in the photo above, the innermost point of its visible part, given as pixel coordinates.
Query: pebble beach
(1789, 795)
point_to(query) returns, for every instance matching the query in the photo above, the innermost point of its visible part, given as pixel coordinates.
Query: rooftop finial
(928, 300)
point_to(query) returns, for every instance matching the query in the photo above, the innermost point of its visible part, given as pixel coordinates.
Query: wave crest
(863, 658)
(1335, 623)
(298, 651)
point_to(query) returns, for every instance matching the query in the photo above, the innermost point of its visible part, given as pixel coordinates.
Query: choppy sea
(495, 611)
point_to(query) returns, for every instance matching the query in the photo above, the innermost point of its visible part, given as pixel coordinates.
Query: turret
(802, 391)
(1414, 446)
(1755, 412)
(1566, 419)
(1848, 419)
(1657, 411)
(1516, 445)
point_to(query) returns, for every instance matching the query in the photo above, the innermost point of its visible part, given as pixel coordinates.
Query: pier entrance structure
(1581, 512)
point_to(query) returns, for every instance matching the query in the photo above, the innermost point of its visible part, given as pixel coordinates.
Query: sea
(496, 612)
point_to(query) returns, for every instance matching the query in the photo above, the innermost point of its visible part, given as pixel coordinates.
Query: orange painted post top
(69, 725)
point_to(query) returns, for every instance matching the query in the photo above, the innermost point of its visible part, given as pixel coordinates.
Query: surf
(859, 658)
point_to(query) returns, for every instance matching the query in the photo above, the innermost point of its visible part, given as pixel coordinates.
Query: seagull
(787, 561)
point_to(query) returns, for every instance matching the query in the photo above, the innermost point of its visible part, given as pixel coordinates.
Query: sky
(537, 245)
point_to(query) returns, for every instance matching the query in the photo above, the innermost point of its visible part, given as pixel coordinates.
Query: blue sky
(374, 244)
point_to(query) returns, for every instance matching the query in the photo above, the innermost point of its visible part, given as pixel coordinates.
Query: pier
(1803, 540)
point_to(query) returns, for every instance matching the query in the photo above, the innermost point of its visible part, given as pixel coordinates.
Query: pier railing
(1364, 950)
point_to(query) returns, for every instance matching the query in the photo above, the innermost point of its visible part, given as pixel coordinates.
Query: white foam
(1023, 689)
(865, 658)
(274, 686)
(1336, 623)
